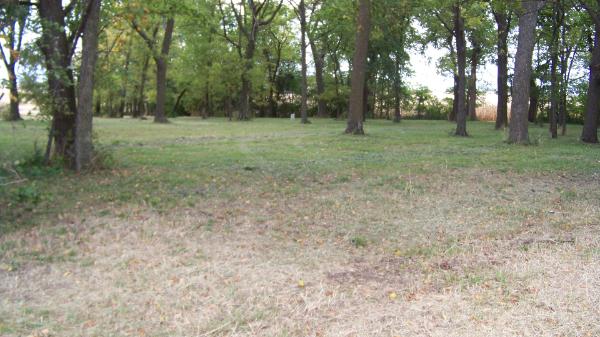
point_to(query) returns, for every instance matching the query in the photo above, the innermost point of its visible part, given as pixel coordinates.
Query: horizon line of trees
(246, 58)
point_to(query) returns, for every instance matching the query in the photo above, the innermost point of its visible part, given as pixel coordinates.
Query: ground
(273, 228)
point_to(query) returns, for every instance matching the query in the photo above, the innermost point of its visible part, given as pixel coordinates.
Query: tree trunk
(85, 102)
(161, 91)
(592, 108)
(319, 59)
(461, 58)
(519, 125)
(125, 82)
(141, 101)
(55, 47)
(359, 64)
(304, 99)
(397, 88)
(160, 115)
(14, 114)
(554, 80)
(472, 91)
(503, 21)
(534, 101)
(454, 111)
(244, 113)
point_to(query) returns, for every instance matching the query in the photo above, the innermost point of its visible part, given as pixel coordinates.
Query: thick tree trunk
(246, 90)
(503, 22)
(359, 65)
(454, 111)
(519, 125)
(85, 104)
(244, 113)
(55, 47)
(14, 114)
(461, 58)
(592, 108)
(161, 91)
(160, 115)
(304, 99)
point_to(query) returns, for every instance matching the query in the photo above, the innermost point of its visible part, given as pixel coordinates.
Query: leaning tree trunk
(519, 125)
(461, 58)
(359, 65)
(503, 21)
(85, 102)
(592, 108)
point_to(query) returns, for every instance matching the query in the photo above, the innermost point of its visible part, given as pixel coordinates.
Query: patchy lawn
(272, 228)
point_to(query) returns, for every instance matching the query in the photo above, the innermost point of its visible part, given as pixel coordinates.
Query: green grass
(189, 160)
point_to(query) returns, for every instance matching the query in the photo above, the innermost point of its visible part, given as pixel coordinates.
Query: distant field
(273, 228)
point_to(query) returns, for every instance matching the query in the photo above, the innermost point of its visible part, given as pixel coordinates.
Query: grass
(157, 164)
(204, 227)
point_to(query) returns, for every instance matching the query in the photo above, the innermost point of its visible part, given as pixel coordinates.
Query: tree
(301, 13)
(502, 13)
(518, 126)
(85, 102)
(261, 14)
(461, 55)
(359, 65)
(13, 19)
(160, 55)
(590, 126)
(58, 49)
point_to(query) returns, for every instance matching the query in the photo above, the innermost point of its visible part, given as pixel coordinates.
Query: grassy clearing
(205, 228)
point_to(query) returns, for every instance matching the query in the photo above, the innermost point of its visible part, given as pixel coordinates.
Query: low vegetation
(273, 228)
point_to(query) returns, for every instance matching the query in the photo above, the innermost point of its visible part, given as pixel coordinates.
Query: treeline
(272, 58)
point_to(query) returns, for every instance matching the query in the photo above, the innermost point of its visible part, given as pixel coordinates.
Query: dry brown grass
(467, 253)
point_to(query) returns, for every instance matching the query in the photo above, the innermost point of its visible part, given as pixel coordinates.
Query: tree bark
(55, 47)
(519, 125)
(125, 82)
(359, 65)
(304, 99)
(161, 60)
(534, 100)
(141, 101)
(85, 103)
(592, 108)
(472, 91)
(554, 79)
(397, 88)
(319, 59)
(461, 58)
(503, 21)
(14, 114)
